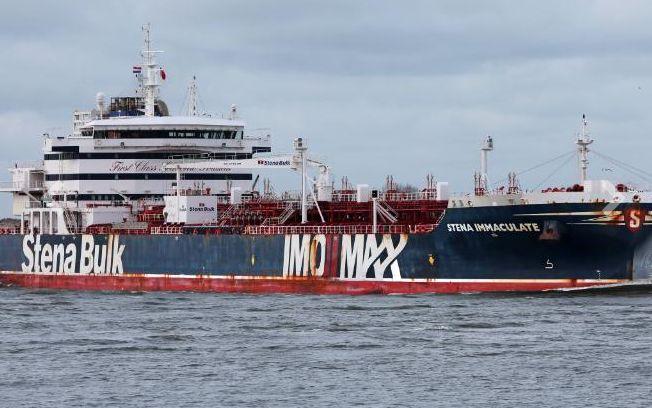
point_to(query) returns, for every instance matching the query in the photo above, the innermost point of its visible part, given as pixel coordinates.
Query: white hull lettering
(60, 258)
(306, 255)
(496, 227)
(361, 252)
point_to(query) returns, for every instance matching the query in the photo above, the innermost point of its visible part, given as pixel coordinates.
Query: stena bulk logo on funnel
(85, 257)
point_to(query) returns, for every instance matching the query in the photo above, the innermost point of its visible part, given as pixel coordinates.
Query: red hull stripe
(147, 283)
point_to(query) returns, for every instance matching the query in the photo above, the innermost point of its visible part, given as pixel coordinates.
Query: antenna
(513, 186)
(193, 98)
(583, 142)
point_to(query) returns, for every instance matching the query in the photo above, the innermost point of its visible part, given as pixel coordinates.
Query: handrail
(9, 230)
(21, 186)
(167, 230)
(35, 164)
(390, 196)
(337, 229)
(412, 196)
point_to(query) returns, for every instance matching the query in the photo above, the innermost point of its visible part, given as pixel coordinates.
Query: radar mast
(583, 142)
(150, 82)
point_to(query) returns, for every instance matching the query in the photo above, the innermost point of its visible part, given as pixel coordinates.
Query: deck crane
(299, 162)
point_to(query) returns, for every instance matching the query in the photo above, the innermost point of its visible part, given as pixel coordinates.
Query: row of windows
(65, 149)
(116, 197)
(165, 134)
(103, 197)
(144, 156)
(146, 176)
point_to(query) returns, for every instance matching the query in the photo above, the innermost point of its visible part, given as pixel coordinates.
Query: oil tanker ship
(136, 199)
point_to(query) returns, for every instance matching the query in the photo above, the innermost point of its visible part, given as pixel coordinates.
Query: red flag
(163, 76)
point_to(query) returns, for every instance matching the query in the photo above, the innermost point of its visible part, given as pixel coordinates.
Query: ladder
(226, 215)
(70, 219)
(282, 218)
(386, 211)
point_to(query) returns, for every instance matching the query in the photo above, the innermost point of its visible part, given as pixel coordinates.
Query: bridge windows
(150, 155)
(229, 134)
(146, 176)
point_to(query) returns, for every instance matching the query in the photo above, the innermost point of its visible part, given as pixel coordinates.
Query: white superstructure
(117, 151)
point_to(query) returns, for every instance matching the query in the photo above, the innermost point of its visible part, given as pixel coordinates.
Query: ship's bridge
(151, 127)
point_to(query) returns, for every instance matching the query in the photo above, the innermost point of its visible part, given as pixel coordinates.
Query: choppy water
(182, 350)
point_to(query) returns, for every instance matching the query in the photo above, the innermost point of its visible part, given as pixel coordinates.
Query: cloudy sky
(377, 87)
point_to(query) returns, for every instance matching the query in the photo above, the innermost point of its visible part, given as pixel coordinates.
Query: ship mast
(583, 142)
(300, 148)
(484, 150)
(150, 82)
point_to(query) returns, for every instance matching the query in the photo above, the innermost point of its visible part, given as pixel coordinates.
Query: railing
(35, 204)
(220, 197)
(413, 196)
(142, 203)
(98, 229)
(258, 134)
(38, 165)
(187, 191)
(130, 231)
(20, 186)
(280, 205)
(7, 185)
(393, 196)
(226, 199)
(9, 230)
(337, 229)
(296, 229)
(147, 217)
(167, 230)
(345, 197)
(130, 225)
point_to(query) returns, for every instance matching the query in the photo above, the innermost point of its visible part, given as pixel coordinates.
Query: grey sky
(377, 87)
